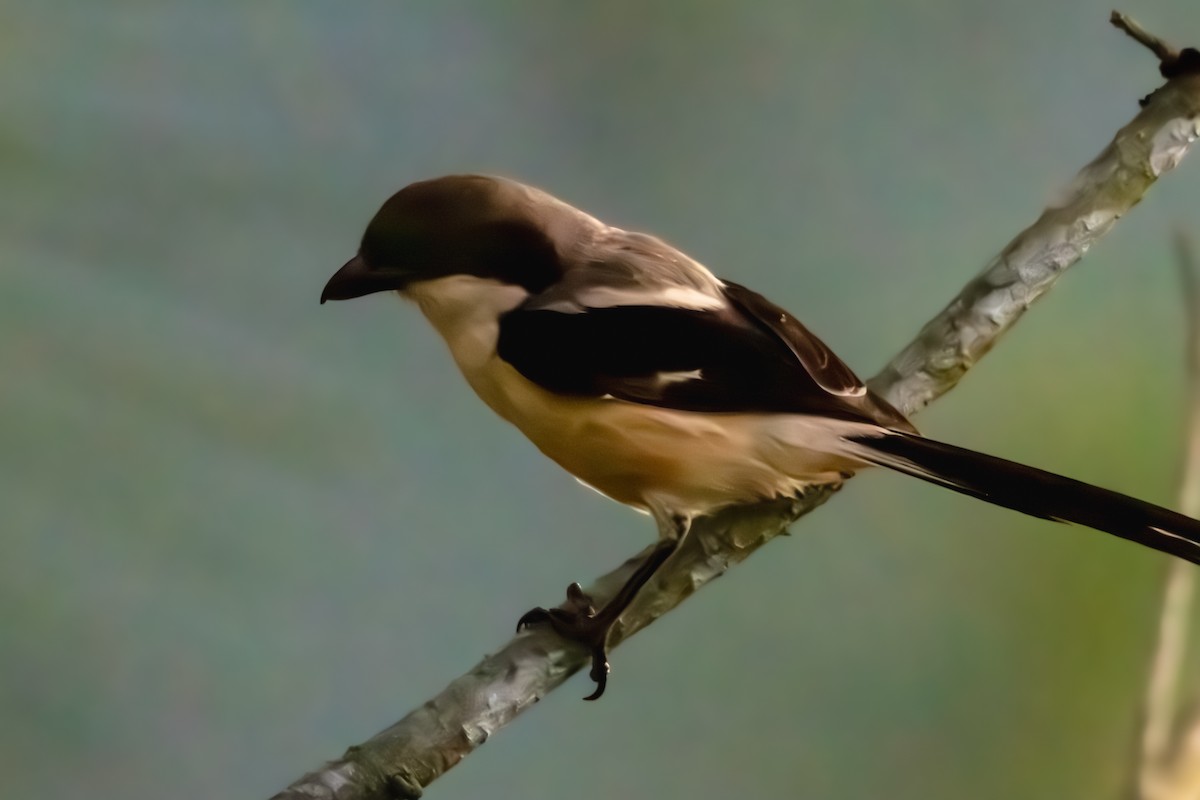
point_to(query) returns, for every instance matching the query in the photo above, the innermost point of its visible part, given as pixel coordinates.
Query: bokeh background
(241, 531)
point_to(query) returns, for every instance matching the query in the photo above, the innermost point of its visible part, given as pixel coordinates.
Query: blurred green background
(242, 531)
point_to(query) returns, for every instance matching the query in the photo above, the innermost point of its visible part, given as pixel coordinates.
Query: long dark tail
(1032, 491)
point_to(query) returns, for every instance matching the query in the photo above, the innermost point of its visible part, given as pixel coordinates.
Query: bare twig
(409, 755)
(1171, 62)
(1169, 766)
(1160, 48)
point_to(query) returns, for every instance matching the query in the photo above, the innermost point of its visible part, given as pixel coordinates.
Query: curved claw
(535, 616)
(599, 673)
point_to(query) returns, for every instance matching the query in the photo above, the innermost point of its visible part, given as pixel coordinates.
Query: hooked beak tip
(356, 278)
(347, 282)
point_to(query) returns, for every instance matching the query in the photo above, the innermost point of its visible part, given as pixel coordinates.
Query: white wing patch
(1172, 535)
(667, 378)
(613, 297)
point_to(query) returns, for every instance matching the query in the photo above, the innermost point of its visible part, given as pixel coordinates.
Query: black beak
(356, 279)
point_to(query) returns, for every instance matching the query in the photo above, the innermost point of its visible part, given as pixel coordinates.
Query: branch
(1154, 142)
(1166, 54)
(1169, 765)
(415, 751)
(1171, 62)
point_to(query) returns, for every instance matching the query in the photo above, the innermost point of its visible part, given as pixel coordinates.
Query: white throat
(466, 311)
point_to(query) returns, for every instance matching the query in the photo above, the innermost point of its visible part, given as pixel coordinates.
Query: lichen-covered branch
(950, 344)
(412, 753)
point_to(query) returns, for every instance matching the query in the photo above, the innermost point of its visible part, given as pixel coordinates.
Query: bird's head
(457, 225)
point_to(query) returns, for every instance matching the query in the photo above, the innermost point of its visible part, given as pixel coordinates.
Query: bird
(662, 386)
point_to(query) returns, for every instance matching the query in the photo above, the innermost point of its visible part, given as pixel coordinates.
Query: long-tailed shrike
(660, 385)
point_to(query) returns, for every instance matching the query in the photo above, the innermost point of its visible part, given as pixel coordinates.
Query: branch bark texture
(399, 761)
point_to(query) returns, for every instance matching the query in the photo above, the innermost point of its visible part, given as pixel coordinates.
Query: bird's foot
(577, 619)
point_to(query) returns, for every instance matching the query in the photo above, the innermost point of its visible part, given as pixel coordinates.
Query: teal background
(241, 531)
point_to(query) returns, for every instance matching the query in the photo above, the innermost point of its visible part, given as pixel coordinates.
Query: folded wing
(680, 339)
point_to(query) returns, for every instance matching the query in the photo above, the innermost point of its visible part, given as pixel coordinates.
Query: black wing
(747, 355)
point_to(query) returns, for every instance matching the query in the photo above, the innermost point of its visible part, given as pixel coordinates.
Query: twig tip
(1168, 56)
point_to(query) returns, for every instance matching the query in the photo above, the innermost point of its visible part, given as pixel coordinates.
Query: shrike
(660, 385)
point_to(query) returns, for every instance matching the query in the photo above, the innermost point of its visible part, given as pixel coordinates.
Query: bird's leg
(578, 620)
